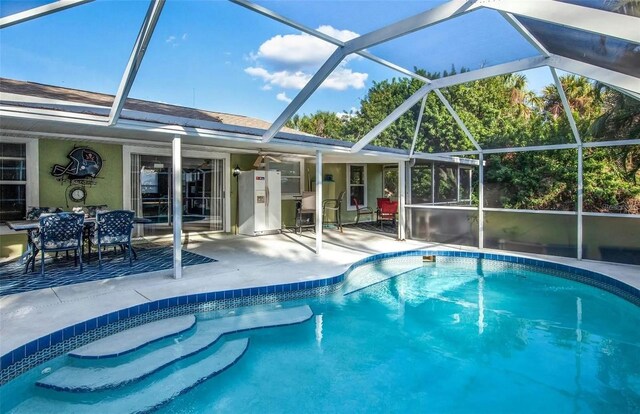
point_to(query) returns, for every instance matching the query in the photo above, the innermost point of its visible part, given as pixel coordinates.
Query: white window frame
(270, 165)
(33, 179)
(349, 185)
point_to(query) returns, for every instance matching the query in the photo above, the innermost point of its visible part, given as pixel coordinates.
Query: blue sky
(218, 56)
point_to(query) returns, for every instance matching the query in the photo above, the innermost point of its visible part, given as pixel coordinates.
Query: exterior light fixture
(236, 171)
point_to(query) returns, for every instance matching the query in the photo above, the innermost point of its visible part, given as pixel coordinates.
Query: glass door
(202, 192)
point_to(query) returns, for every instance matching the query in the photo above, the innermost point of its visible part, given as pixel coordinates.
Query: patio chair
(387, 210)
(34, 213)
(59, 232)
(361, 211)
(113, 228)
(307, 205)
(335, 205)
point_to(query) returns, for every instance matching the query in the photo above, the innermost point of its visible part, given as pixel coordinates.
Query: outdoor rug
(61, 271)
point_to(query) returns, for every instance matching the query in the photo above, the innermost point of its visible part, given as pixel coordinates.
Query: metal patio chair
(335, 205)
(59, 232)
(112, 228)
(361, 211)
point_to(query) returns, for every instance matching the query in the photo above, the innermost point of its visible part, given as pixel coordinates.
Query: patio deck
(242, 261)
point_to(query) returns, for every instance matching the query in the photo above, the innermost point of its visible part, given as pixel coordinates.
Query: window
(13, 181)
(357, 185)
(291, 176)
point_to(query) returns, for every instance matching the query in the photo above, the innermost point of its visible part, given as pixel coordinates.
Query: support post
(401, 199)
(318, 202)
(580, 201)
(177, 207)
(481, 202)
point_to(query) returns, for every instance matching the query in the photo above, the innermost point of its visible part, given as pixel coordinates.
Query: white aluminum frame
(590, 20)
(40, 11)
(135, 60)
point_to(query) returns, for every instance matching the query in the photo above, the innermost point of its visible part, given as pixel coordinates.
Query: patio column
(177, 207)
(401, 199)
(580, 201)
(318, 202)
(481, 201)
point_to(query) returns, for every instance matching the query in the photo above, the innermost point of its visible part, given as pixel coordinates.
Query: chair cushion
(119, 239)
(59, 244)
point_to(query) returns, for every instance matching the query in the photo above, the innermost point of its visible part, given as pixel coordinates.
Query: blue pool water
(437, 338)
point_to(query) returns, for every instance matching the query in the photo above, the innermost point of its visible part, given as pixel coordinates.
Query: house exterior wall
(107, 189)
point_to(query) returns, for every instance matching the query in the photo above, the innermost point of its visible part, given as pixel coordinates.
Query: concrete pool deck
(242, 262)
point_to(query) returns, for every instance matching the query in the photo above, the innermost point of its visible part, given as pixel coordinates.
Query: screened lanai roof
(276, 59)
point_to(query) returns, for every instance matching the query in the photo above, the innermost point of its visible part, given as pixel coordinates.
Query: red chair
(361, 211)
(387, 210)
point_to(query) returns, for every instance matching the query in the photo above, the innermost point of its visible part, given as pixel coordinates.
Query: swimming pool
(456, 335)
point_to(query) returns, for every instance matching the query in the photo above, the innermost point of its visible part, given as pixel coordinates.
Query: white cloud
(289, 61)
(174, 40)
(283, 97)
(266, 87)
(301, 50)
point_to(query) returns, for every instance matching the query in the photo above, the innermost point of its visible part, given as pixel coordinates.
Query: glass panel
(475, 36)
(446, 180)
(535, 180)
(202, 192)
(444, 226)
(85, 47)
(339, 14)
(357, 193)
(421, 191)
(631, 8)
(612, 179)
(612, 239)
(13, 202)
(466, 176)
(540, 233)
(357, 174)
(516, 110)
(203, 62)
(291, 169)
(13, 150)
(13, 170)
(595, 49)
(290, 185)
(390, 182)
(439, 131)
(614, 116)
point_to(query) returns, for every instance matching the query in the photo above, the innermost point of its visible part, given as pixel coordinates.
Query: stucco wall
(108, 187)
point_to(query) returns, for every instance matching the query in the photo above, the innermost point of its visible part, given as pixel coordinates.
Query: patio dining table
(31, 225)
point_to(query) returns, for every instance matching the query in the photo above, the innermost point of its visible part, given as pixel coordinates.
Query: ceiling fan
(260, 161)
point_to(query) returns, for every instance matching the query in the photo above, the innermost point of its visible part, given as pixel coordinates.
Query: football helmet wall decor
(85, 164)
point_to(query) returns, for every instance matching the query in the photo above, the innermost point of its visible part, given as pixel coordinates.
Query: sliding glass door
(202, 192)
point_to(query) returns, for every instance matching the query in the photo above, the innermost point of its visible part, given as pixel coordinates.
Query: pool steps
(207, 333)
(135, 338)
(155, 395)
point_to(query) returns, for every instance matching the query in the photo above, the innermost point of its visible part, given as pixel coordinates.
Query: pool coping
(11, 363)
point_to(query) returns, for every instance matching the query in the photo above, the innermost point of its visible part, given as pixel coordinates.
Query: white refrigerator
(259, 197)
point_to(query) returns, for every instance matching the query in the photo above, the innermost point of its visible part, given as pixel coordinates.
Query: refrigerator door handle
(266, 193)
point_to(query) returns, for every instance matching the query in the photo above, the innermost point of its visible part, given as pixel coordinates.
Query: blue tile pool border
(49, 346)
